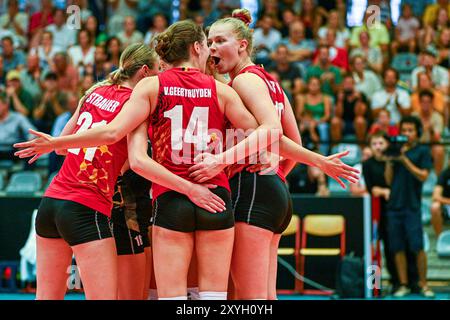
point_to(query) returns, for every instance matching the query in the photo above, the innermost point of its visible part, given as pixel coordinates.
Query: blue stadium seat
(2, 181)
(353, 157)
(426, 241)
(6, 164)
(24, 183)
(426, 213)
(404, 63)
(336, 189)
(429, 184)
(443, 244)
(43, 161)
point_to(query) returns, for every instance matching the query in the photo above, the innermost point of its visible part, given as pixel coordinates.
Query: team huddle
(149, 197)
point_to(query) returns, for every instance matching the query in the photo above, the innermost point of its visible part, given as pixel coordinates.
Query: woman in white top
(342, 33)
(83, 53)
(46, 50)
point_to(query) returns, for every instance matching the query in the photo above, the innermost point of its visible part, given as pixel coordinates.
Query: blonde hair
(131, 60)
(240, 21)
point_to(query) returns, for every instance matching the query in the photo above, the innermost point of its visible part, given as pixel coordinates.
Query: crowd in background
(343, 83)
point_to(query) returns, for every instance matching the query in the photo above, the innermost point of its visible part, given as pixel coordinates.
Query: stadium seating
(443, 244)
(353, 157)
(24, 183)
(404, 63)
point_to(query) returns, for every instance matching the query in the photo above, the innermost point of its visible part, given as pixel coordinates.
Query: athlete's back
(88, 175)
(187, 121)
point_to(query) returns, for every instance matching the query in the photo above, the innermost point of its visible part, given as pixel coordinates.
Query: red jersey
(88, 175)
(187, 121)
(277, 95)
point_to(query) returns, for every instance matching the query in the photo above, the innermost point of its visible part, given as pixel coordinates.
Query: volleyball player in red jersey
(73, 217)
(261, 202)
(176, 102)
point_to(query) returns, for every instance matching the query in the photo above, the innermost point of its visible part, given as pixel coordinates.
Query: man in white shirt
(265, 39)
(63, 35)
(439, 75)
(16, 23)
(395, 100)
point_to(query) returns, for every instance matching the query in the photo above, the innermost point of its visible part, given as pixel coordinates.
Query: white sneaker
(427, 292)
(402, 291)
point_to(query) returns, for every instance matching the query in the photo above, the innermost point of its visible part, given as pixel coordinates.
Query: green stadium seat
(24, 183)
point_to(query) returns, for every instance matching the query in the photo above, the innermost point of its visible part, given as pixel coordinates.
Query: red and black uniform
(262, 200)
(77, 204)
(187, 121)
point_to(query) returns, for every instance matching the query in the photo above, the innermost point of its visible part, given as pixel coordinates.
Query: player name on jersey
(187, 93)
(102, 103)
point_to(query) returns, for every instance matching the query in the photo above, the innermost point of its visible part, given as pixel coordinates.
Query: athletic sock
(213, 295)
(193, 293)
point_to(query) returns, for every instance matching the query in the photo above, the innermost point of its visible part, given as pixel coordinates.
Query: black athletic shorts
(261, 200)
(131, 214)
(71, 221)
(174, 211)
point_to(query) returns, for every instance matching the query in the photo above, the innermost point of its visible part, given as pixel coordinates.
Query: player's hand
(269, 163)
(204, 198)
(336, 169)
(206, 166)
(36, 147)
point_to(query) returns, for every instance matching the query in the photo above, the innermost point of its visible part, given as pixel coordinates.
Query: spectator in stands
(289, 75)
(67, 74)
(439, 75)
(52, 104)
(100, 69)
(431, 12)
(288, 17)
(442, 48)
(338, 56)
(440, 207)
(118, 10)
(149, 9)
(366, 81)
(406, 32)
(373, 54)
(39, 21)
(2, 74)
(424, 82)
(30, 77)
(433, 126)
(405, 175)
(311, 17)
(307, 180)
(129, 34)
(350, 111)
(378, 33)
(392, 98)
(359, 189)
(12, 58)
(342, 32)
(209, 11)
(265, 40)
(63, 35)
(13, 128)
(430, 33)
(82, 54)
(46, 50)
(97, 37)
(114, 50)
(159, 24)
(301, 49)
(16, 22)
(85, 12)
(418, 6)
(55, 161)
(329, 75)
(318, 104)
(308, 130)
(20, 100)
(383, 123)
(373, 172)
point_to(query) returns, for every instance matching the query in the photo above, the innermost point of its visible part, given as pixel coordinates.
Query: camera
(395, 146)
